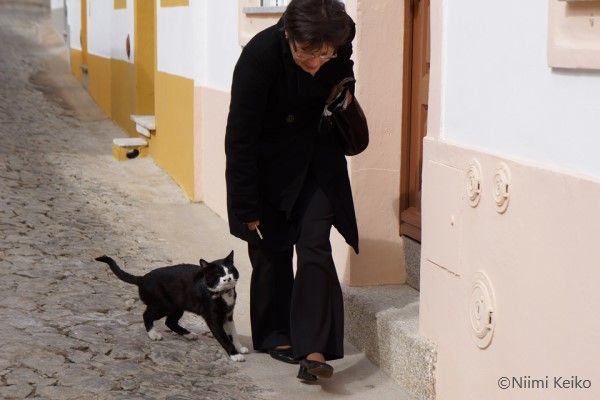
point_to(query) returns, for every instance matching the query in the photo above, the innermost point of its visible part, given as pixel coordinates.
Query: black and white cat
(207, 290)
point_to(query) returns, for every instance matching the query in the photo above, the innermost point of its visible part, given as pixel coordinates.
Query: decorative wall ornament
(482, 305)
(501, 187)
(474, 183)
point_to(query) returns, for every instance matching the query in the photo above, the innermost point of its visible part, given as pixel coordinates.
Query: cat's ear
(229, 258)
(203, 263)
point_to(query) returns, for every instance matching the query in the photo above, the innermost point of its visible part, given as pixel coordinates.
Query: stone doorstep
(130, 142)
(144, 124)
(122, 148)
(383, 321)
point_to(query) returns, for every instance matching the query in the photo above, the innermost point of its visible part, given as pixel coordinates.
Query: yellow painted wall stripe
(99, 81)
(83, 34)
(122, 93)
(173, 145)
(174, 3)
(120, 4)
(76, 64)
(145, 55)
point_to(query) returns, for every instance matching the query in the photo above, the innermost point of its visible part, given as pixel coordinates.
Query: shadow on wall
(379, 261)
(411, 253)
(396, 208)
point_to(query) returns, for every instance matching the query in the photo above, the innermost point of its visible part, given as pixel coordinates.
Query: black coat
(275, 153)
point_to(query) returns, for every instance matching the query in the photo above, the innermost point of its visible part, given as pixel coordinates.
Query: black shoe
(305, 376)
(285, 355)
(317, 368)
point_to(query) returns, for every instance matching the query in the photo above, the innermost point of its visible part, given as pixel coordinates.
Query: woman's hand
(335, 91)
(252, 225)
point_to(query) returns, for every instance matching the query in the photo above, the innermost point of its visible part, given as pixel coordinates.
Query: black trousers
(306, 312)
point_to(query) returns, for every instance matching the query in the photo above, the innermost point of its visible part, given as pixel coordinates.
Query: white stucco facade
(217, 47)
(501, 96)
(100, 13)
(176, 42)
(122, 25)
(74, 23)
(57, 4)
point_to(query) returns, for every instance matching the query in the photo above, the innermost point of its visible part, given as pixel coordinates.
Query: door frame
(409, 217)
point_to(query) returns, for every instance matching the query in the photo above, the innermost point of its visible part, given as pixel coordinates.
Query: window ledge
(263, 10)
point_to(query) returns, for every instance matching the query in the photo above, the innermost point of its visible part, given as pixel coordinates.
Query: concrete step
(383, 321)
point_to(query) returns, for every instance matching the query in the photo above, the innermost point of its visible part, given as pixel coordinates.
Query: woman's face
(311, 60)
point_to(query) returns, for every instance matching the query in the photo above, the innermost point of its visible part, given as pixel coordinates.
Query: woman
(287, 183)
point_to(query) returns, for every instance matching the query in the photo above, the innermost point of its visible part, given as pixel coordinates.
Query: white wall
(200, 35)
(99, 27)
(220, 46)
(74, 22)
(500, 95)
(123, 25)
(56, 4)
(175, 40)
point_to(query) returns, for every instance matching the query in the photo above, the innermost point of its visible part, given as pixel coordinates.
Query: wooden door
(414, 126)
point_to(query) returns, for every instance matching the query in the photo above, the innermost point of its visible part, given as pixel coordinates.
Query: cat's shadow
(246, 341)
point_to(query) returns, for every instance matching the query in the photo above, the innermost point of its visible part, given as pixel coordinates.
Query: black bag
(348, 122)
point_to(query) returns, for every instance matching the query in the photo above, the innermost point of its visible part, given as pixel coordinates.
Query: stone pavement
(69, 328)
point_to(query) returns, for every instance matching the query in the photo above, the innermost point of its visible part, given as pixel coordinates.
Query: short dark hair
(315, 23)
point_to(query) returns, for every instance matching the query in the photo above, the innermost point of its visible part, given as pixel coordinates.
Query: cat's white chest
(229, 297)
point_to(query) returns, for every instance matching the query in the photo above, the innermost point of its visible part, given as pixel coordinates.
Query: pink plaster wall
(375, 173)
(198, 146)
(542, 259)
(210, 122)
(250, 25)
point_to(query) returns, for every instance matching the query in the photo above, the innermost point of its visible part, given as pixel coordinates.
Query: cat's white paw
(243, 350)
(154, 335)
(237, 357)
(191, 336)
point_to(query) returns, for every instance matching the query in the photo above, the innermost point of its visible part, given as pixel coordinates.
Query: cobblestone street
(70, 329)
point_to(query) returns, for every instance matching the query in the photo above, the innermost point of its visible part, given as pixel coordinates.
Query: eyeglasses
(303, 55)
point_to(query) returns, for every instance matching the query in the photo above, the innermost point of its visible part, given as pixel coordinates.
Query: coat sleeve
(247, 110)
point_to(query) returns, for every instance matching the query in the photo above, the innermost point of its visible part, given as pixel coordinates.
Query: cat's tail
(122, 275)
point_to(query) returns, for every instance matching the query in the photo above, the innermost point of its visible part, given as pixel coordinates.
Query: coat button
(290, 118)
